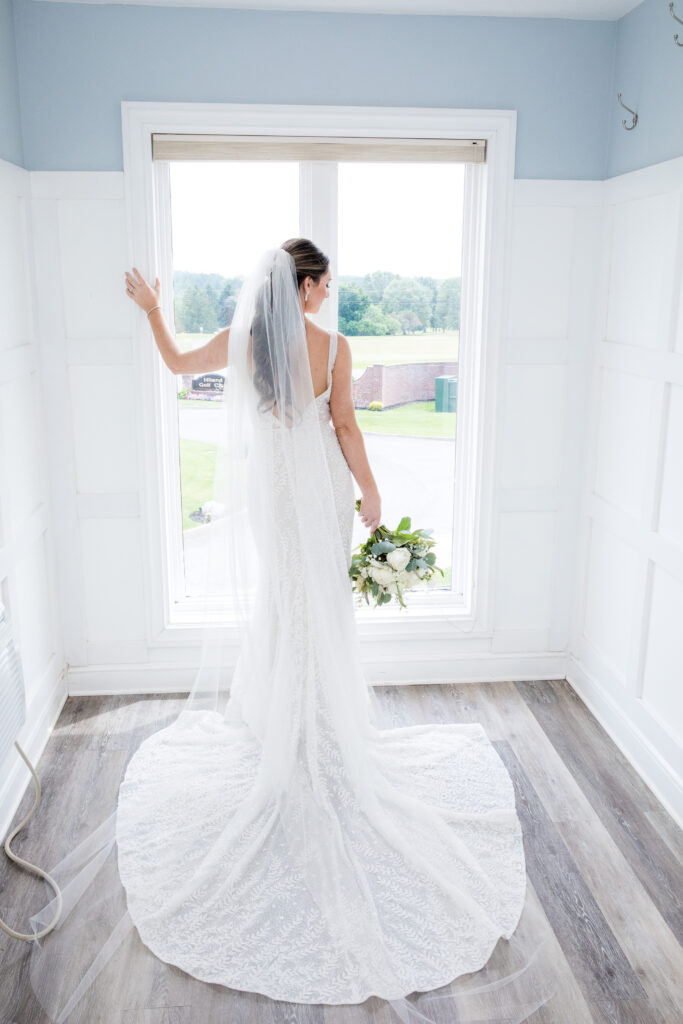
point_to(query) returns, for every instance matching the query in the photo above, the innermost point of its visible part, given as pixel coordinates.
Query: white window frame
(468, 606)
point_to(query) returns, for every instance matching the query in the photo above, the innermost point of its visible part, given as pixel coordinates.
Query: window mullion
(318, 219)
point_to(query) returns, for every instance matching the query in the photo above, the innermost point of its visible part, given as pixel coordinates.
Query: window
(435, 312)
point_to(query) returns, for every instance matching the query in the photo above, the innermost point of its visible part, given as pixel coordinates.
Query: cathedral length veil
(273, 838)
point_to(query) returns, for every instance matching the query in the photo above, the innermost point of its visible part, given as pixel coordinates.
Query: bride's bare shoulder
(315, 333)
(320, 335)
(343, 347)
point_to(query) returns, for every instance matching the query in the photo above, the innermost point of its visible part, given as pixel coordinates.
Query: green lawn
(416, 419)
(412, 348)
(197, 465)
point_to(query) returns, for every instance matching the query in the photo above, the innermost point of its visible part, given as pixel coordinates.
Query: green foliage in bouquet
(391, 561)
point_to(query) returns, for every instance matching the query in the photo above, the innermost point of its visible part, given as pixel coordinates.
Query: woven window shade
(287, 147)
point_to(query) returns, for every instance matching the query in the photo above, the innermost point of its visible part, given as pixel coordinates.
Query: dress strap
(331, 356)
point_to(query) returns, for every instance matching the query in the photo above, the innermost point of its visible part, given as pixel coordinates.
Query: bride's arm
(211, 356)
(350, 436)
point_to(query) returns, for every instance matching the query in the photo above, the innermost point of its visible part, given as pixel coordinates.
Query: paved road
(414, 475)
(415, 478)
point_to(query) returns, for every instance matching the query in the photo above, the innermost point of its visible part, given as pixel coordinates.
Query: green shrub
(376, 406)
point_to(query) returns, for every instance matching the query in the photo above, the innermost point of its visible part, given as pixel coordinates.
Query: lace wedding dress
(424, 880)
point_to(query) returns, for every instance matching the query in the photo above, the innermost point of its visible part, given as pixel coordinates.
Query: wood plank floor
(603, 862)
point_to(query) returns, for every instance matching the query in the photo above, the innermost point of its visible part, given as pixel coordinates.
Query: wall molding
(627, 732)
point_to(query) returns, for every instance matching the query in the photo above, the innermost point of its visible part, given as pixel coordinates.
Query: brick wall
(394, 384)
(399, 383)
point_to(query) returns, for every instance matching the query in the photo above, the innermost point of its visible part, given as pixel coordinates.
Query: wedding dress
(274, 838)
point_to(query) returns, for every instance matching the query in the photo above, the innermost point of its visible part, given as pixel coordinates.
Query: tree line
(380, 303)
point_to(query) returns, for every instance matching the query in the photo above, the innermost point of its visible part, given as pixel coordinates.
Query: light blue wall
(78, 61)
(10, 121)
(649, 75)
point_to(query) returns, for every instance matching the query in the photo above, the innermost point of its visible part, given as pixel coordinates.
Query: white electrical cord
(28, 865)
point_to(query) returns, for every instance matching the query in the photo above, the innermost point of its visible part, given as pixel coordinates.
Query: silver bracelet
(152, 309)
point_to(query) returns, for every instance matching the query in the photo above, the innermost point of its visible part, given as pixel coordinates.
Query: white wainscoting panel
(28, 578)
(526, 564)
(102, 399)
(541, 271)
(550, 337)
(608, 607)
(535, 411)
(93, 250)
(641, 254)
(624, 409)
(113, 579)
(624, 656)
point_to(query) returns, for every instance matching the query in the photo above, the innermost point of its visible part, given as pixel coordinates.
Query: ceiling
(600, 10)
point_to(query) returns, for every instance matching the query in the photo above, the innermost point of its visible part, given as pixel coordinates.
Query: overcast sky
(404, 218)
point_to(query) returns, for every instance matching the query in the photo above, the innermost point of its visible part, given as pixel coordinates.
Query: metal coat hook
(628, 127)
(671, 8)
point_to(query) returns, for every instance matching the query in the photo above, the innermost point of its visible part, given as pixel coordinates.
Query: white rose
(408, 579)
(398, 558)
(382, 575)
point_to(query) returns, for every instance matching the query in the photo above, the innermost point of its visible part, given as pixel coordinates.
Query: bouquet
(391, 561)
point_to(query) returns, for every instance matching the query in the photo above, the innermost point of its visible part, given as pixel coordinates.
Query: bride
(274, 838)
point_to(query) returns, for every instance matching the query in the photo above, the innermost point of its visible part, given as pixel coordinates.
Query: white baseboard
(380, 669)
(42, 711)
(655, 772)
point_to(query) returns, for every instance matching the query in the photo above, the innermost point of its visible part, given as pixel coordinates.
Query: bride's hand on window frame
(141, 292)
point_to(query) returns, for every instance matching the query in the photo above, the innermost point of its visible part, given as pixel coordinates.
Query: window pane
(223, 216)
(399, 271)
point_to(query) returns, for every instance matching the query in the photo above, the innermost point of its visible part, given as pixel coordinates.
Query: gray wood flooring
(603, 863)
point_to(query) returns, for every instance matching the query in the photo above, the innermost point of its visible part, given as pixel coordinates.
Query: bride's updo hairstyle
(307, 261)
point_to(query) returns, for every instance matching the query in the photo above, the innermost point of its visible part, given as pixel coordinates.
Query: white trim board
(597, 10)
